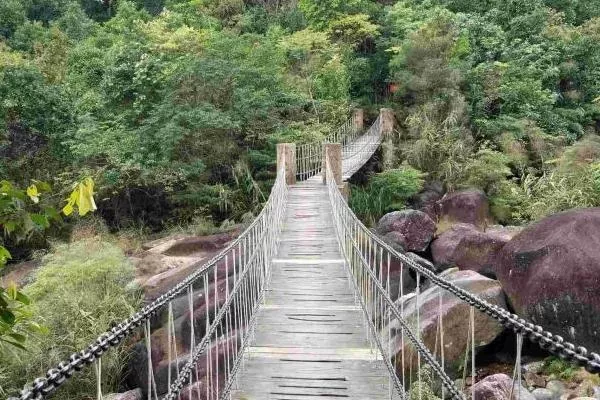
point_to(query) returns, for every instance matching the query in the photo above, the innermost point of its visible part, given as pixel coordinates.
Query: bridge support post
(358, 119)
(387, 130)
(345, 190)
(334, 150)
(286, 153)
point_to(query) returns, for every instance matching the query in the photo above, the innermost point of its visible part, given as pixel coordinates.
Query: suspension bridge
(301, 305)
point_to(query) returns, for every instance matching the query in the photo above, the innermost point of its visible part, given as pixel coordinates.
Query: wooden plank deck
(310, 339)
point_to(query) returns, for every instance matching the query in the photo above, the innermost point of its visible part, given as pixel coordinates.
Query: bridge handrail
(535, 333)
(350, 232)
(55, 377)
(360, 146)
(309, 156)
(555, 344)
(345, 133)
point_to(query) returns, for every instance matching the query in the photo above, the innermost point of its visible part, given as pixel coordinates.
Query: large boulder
(428, 199)
(416, 227)
(499, 387)
(168, 261)
(455, 314)
(179, 244)
(466, 206)
(396, 240)
(466, 247)
(135, 394)
(551, 274)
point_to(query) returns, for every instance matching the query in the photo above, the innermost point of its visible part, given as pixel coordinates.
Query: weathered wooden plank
(310, 339)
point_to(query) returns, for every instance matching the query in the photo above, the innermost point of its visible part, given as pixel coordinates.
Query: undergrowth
(80, 291)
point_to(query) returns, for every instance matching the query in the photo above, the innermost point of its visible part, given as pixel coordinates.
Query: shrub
(386, 192)
(81, 289)
(486, 170)
(396, 186)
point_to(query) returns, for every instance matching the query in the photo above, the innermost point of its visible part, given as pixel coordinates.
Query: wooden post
(345, 190)
(358, 118)
(286, 152)
(387, 129)
(334, 151)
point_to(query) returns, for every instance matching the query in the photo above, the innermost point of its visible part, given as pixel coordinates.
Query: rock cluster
(549, 271)
(500, 387)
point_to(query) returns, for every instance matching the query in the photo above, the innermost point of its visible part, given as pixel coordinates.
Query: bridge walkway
(310, 339)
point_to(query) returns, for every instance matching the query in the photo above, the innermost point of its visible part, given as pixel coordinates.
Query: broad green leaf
(18, 337)
(71, 201)
(4, 256)
(86, 197)
(22, 298)
(51, 213)
(40, 220)
(14, 294)
(68, 209)
(7, 317)
(42, 186)
(82, 197)
(13, 343)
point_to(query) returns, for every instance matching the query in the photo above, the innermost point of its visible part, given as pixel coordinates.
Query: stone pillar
(386, 119)
(334, 150)
(286, 152)
(358, 118)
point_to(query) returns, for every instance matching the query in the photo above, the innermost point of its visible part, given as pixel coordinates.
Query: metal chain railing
(369, 274)
(221, 298)
(555, 344)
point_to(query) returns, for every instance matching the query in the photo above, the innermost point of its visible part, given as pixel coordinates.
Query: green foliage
(12, 15)
(573, 181)
(423, 387)
(511, 78)
(396, 186)
(22, 214)
(559, 368)
(15, 319)
(93, 278)
(320, 13)
(75, 23)
(30, 102)
(387, 191)
(486, 170)
(353, 29)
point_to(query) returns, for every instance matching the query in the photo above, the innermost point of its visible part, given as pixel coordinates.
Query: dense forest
(163, 115)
